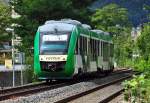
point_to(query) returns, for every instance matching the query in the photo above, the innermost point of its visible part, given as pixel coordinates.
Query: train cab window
(54, 43)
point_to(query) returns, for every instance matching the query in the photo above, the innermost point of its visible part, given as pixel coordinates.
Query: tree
(36, 12)
(109, 16)
(138, 87)
(144, 42)
(114, 19)
(81, 3)
(5, 21)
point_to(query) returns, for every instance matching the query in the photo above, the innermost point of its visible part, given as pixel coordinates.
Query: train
(65, 48)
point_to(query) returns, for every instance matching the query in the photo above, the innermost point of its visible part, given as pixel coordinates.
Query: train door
(100, 58)
(93, 66)
(84, 54)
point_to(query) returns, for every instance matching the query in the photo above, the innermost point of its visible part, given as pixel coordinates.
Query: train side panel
(36, 54)
(70, 64)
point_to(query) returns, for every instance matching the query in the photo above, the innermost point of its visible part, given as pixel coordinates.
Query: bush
(29, 71)
(137, 90)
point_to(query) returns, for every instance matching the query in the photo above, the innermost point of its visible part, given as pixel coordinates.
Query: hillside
(136, 8)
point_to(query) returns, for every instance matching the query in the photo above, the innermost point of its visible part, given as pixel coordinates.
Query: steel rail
(39, 87)
(112, 96)
(117, 93)
(21, 87)
(22, 91)
(76, 96)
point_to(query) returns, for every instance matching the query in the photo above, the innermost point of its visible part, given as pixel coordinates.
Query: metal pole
(21, 68)
(13, 57)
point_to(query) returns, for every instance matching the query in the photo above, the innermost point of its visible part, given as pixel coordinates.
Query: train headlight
(64, 58)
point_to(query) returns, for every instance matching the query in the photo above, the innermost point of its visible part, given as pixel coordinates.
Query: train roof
(51, 27)
(96, 34)
(68, 25)
(97, 31)
(67, 21)
(100, 32)
(86, 26)
(62, 25)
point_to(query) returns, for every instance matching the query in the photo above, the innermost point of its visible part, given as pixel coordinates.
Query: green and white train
(65, 48)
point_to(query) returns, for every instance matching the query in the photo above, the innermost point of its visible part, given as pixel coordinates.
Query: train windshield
(52, 43)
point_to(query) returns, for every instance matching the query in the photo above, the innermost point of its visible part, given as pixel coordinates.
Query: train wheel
(47, 81)
(112, 68)
(80, 71)
(99, 70)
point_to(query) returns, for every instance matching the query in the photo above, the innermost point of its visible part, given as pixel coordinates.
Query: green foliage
(36, 12)
(109, 16)
(29, 73)
(137, 89)
(114, 19)
(144, 41)
(140, 64)
(123, 49)
(81, 3)
(5, 21)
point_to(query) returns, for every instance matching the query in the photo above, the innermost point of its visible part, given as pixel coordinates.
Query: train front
(51, 49)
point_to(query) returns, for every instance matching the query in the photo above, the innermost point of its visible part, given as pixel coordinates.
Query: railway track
(27, 90)
(40, 87)
(84, 96)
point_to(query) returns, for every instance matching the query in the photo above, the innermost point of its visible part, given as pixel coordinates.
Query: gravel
(99, 95)
(62, 92)
(118, 99)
